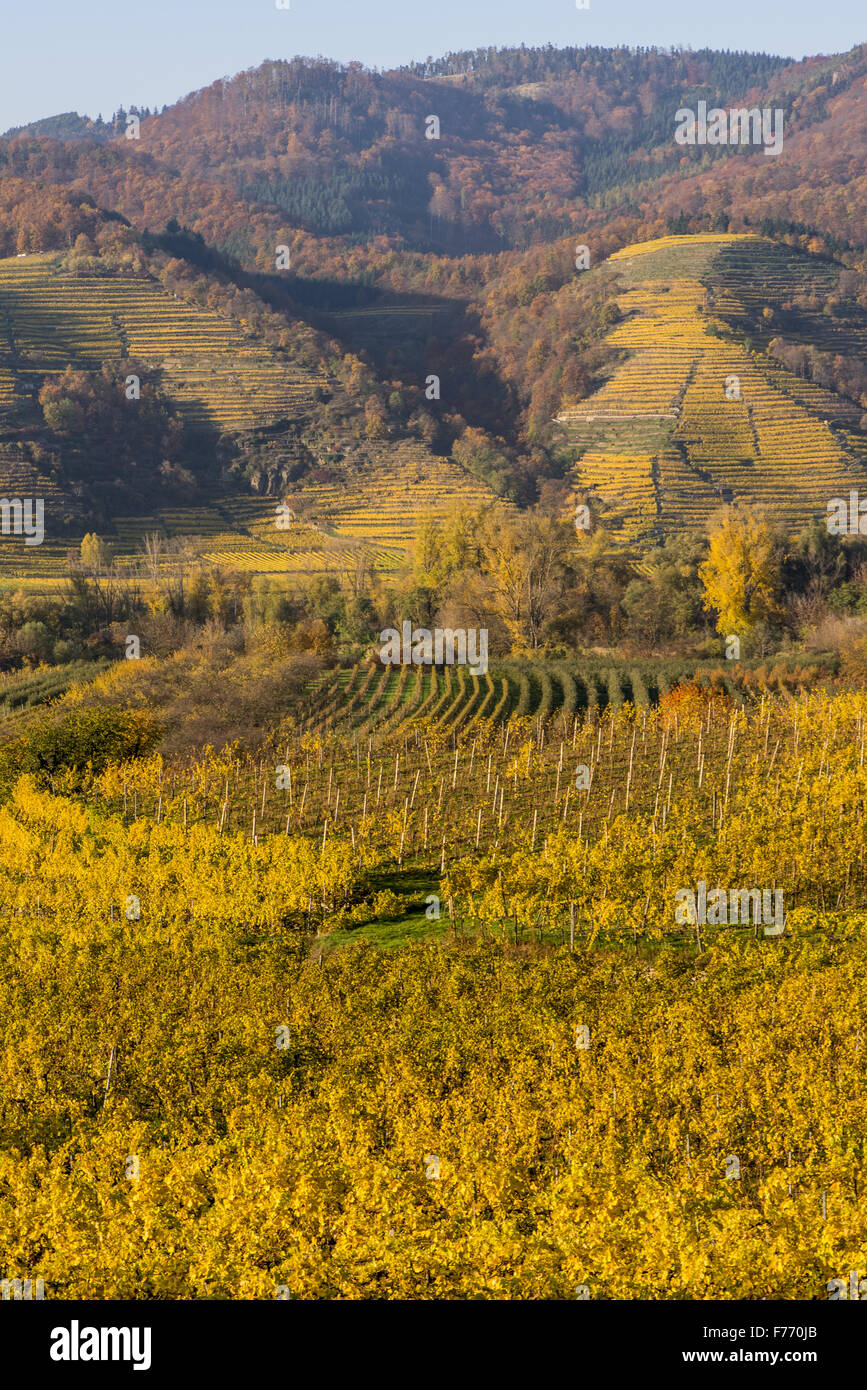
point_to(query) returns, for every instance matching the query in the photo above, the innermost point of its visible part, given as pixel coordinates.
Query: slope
(697, 415)
(235, 397)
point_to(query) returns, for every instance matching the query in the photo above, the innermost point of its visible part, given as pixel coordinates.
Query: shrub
(387, 904)
(82, 744)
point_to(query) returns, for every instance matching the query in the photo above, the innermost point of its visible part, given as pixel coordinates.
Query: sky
(93, 56)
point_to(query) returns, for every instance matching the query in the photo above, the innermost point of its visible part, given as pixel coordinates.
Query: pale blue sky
(95, 55)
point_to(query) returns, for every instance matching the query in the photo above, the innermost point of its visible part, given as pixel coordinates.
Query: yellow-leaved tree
(741, 575)
(95, 554)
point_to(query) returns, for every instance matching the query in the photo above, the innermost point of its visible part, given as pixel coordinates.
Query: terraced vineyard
(748, 273)
(217, 377)
(384, 501)
(220, 381)
(662, 443)
(234, 533)
(238, 533)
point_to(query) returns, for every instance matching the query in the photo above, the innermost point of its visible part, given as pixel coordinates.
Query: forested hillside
(428, 292)
(529, 142)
